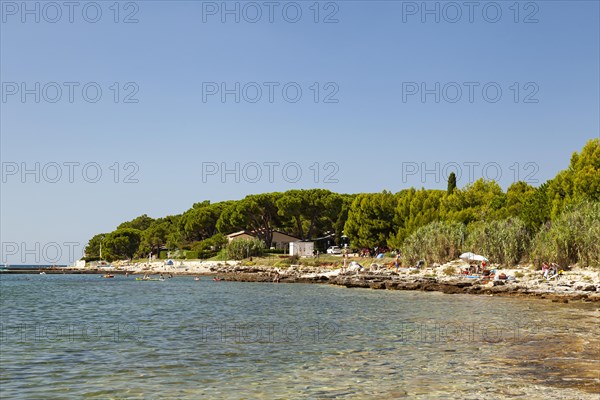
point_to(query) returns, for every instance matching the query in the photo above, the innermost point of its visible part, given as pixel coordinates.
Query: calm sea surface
(81, 336)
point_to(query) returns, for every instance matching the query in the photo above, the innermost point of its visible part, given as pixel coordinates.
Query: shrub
(275, 251)
(573, 237)
(286, 262)
(519, 274)
(213, 243)
(191, 255)
(243, 248)
(221, 256)
(203, 255)
(502, 241)
(437, 242)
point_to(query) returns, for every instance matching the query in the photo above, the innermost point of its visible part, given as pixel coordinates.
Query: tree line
(557, 220)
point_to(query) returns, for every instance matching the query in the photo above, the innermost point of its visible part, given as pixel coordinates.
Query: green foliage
(535, 210)
(121, 244)
(451, 183)
(502, 241)
(204, 255)
(200, 222)
(191, 255)
(155, 236)
(516, 196)
(92, 250)
(415, 208)
(210, 247)
(580, 182)
(483, 200)
(221, 256)
(370, 219)
(243, 248)
(307, 212)
(438, 242)
(141, 223)
(275, 251)
(257, 213)
(286, 262)
(380, 219)
(572, 238)
(212, 244)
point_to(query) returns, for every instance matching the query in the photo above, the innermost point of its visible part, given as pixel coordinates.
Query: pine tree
(451, 182)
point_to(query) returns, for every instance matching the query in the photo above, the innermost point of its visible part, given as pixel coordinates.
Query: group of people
(366, 252)
(551, 270)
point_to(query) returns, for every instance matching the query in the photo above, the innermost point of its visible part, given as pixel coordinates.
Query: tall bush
(242, 248)
(436, 242)
(572, 238)
(503, 241)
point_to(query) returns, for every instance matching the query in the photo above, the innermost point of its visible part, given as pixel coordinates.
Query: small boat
(196, 278)
(42, 273)
(217, 279)
(108, 276)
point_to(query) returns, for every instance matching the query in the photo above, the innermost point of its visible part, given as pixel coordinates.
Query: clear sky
(373, 95)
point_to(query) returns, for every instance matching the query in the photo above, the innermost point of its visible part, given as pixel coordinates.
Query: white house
(302, 248)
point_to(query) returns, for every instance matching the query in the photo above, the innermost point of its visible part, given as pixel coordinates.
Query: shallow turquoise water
(74, 336)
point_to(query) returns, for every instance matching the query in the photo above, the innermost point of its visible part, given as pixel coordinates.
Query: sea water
(82, 336)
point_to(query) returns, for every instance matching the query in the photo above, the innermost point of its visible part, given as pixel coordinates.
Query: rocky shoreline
(581, 284)
(562, 292)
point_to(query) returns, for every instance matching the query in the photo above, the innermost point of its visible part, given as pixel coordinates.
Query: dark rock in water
(391, 285)
(377, 285)
(463, 284)
(498, 283)
(474, 289)
(500, 289)
(585, 287)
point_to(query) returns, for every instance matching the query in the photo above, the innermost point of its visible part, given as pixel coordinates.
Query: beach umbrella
(472, 257)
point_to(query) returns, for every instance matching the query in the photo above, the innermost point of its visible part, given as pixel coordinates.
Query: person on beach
(344, 267)
(397, 261)
(545, 269)
(555, 271)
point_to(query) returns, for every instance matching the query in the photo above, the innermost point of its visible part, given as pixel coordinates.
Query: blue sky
(368, 130)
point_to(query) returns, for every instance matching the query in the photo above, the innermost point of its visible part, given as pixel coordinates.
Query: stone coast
(579, 284)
